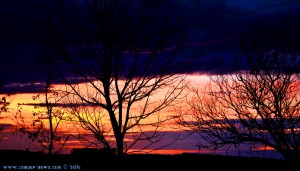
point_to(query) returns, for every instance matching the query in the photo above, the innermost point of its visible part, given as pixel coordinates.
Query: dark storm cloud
(215, 24)
(18, 53)
(221, 23)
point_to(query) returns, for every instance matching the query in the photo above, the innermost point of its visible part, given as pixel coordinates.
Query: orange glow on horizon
(27, 111)
(173, 151)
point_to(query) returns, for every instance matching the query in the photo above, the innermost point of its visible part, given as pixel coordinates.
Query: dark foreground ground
(22, 160)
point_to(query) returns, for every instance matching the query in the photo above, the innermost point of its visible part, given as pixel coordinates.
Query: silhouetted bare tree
(93, 120)
(259, 106)
(117, 56)
(3, 108)
(46, 125)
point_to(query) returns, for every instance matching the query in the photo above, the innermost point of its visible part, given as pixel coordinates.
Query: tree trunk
(49, 112)
(120, 147)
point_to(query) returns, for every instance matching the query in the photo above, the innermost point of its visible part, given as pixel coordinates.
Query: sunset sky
(215, 27)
